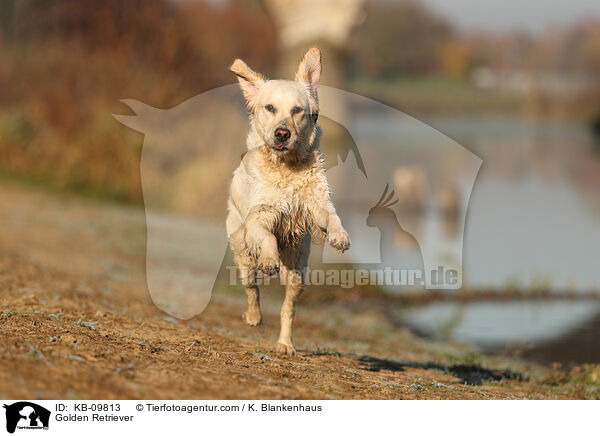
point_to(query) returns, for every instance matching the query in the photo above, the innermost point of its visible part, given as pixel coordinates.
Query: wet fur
(278, 198)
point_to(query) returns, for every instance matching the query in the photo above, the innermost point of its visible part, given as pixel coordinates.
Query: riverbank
(75, 308)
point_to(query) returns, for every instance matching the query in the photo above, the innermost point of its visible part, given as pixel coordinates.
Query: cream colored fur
(278, 197)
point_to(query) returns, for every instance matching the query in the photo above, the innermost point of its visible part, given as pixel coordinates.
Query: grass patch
(437, 94)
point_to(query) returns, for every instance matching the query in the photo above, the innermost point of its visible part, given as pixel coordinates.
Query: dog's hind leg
(252, 316)
(293, 289)
(247, 269)
(292, 275)
(246, 266)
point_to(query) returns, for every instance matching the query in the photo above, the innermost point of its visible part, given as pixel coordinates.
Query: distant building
(520, 81)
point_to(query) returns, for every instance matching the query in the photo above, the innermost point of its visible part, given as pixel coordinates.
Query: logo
(400, 188)
(26, 415)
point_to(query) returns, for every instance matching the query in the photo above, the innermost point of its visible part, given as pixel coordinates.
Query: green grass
(15, 315)
(582, 380)
(46, 184)
(436, 94)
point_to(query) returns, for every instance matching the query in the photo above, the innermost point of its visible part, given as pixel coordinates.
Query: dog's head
(284, 112)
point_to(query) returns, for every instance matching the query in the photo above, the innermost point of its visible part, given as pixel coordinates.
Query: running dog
(279, 194)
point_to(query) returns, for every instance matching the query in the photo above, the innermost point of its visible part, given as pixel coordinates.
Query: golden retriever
(279, 194)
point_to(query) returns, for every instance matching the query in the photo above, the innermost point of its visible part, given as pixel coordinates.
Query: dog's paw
(252, 318)
(253, 250)
(287, 349)
(339, 240)
(268, 265)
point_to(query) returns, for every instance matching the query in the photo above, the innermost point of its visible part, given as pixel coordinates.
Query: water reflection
(534, 213)
(546, 331)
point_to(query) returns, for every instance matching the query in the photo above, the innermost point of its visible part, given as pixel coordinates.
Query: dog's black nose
(282, 134)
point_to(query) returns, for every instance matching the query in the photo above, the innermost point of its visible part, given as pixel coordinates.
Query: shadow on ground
(469, 374)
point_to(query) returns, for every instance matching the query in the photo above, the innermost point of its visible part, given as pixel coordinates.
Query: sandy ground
(76, 322)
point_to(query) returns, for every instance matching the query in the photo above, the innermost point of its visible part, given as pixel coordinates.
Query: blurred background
(425, 58)
(516, 84)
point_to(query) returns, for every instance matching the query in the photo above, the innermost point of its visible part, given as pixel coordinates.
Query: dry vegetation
(66, 65)
(85, 321)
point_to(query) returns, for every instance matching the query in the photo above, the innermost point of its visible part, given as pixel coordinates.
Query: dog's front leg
(326, 218)
(260, 239)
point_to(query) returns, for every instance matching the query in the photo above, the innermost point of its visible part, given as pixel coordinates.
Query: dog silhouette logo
(190, 151)
(26, 415)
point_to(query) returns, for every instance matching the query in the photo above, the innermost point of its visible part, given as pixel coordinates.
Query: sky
(531, 15)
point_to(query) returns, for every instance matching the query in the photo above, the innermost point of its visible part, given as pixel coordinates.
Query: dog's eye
(270, 108)
(296, 110)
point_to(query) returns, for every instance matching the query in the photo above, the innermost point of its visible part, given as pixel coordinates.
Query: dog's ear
(309, 70)
(249, 79)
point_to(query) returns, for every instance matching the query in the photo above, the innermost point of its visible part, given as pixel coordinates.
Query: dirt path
(76, 321)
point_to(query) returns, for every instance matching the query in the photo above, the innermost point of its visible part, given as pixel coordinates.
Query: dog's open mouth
(280, 147)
